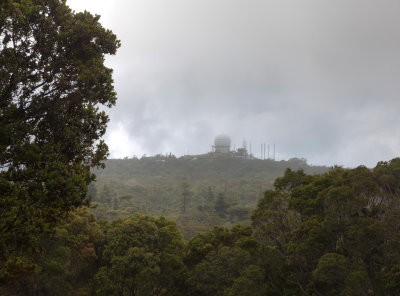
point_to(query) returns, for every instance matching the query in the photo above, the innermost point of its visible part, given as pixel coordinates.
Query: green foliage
(221, 206)
(330, 274)
(52, 80)
(153, 185)
(336, 233)
(332, 234)
(185, 193)
(143, 256)
(224, 262)
(69, 259)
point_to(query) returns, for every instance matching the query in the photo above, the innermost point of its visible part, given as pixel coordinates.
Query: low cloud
(318, 78)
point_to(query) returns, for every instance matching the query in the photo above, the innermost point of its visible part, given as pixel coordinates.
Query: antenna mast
(264, 151)
(261, 151)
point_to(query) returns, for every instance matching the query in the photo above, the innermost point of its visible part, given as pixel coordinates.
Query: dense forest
(198, 191)
(335, 233)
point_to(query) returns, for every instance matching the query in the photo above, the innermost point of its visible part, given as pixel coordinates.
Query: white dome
(222, 141)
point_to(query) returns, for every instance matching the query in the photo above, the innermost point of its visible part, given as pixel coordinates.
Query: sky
(320, 79)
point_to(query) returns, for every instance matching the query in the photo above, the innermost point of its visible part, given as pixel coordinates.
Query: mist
(317, 78)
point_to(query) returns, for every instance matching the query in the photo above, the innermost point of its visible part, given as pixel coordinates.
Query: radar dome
(222, 144)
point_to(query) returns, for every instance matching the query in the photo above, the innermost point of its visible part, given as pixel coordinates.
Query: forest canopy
(336, 233)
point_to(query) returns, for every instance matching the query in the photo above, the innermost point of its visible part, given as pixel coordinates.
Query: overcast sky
(319, 78)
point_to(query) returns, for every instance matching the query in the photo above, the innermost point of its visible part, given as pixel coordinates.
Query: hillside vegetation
(336, 233)
(197, 192)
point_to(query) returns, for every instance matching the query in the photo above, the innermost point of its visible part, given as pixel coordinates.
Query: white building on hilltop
(222, 144)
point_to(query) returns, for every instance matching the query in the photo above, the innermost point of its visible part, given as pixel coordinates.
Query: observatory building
(222, 144)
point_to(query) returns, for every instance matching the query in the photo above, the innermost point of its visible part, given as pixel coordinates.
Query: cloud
(318, 78)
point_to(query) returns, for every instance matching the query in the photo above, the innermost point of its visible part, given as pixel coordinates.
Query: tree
(185, 193)
(143, 257)
(221, 205)
(52, 81)
(332, 234)
(210, 194)
(106, 195)
(69, 261)
(223, 262)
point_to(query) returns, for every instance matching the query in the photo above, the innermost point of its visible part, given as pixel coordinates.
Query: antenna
(264, 151)
(274, 151)
(268, 151)
(261, 151)
(263, 157)
(250, 148)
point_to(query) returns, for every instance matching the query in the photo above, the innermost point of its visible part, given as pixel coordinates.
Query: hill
(197, 191)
